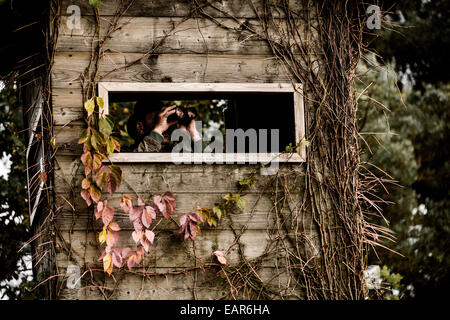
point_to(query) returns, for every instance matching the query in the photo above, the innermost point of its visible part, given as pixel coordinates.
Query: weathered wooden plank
(170, 250)
(210, 284)
(256, 215)
(176, 8)
(67, 106)
(169, 68)
(141, 34)
(181, 179)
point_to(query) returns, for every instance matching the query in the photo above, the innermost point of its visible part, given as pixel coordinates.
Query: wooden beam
(141, 34)
(169, 68)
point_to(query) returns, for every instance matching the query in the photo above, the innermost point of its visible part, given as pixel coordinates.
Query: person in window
(151, 130)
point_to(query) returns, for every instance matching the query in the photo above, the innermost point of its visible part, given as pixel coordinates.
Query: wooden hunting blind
(177, 50)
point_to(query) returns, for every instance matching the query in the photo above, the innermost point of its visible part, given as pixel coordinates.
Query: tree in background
(21, 52)
(15, 266)
(414, 112)
(418, 41)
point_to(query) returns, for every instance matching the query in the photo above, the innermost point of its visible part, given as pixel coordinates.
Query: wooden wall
(198, 51)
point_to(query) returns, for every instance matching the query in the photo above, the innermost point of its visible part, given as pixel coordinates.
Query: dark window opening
(216, 111)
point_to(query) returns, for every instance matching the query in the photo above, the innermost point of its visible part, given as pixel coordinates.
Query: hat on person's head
(141, 109)
(144, 106)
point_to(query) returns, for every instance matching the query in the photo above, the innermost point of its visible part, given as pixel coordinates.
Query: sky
(5, 165)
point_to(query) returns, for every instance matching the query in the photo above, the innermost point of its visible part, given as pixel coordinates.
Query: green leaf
(100, 103)
(105, 127)
(84, 136)
(95, 3)
(110, 146)
(89, 106)
(240, 201)
(96, 140)
(217, 211)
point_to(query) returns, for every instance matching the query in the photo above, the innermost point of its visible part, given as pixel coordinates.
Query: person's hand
(191, 128)
(162, 125)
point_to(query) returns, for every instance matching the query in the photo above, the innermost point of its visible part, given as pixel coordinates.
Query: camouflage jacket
(153, 143)
(150, 143)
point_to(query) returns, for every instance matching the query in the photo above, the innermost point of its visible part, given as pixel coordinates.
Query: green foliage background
(14, 218)
(414, 84)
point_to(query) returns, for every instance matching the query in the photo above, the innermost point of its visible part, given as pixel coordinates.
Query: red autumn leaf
(136, 235)
(146, 239)
(193, 230)
(86, 147)
(126, 252)
(99, 210)
(86, 183)
(125, 203)
(86, 196)
(142, 215)
(117, 257)
(148, 214)
(130, 261)
(145, 243)
(114, 226)
(159, 203)
(183, 219)
(220, 257)
(86, 159)
(170, 202)
(189, 225)
(111, 238)
(140, 251)
(165, 204)
(114, 178)
(169, 196)
(107, 214)
(135, 213)
(137, 225)
(135, 257)
(150, 235)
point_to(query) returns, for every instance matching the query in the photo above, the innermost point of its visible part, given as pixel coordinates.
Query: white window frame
(104, 88)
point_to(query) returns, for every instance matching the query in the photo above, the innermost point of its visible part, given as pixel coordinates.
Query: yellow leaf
(53, 142)
(100, 102)
(89, 105)
(107, 263)
(102, 236)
